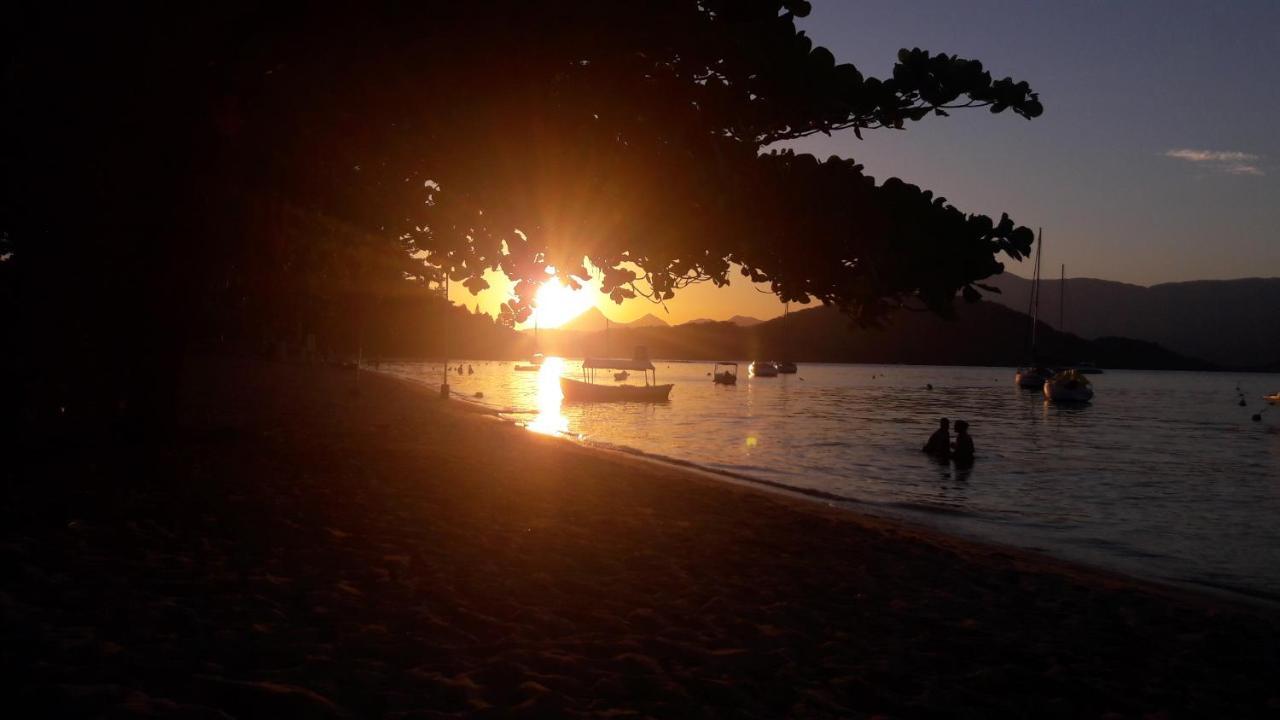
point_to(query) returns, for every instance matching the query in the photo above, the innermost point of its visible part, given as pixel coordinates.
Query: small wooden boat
(586, 390)
(728, 376)
(1031, 378)
(786, 367)
(764, 368)
(534, 364)
(1068, 386)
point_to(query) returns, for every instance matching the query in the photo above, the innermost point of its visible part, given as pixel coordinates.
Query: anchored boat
(728, 376)
(1032, 376)
(1068, 386)
(534, 364)
(587, 390)
(764, 368)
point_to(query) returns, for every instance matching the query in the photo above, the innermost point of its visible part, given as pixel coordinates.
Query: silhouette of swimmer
(962, 449)
(939, 444)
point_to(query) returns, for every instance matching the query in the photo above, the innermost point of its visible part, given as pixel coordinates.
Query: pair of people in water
(941, 447)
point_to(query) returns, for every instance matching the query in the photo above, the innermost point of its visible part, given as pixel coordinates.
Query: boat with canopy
(587, 390)
(727, 376)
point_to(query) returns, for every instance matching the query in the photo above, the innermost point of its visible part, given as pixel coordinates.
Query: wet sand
(303, 547)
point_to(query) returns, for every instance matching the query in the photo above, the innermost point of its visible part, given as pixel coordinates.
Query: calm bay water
(1163, 476)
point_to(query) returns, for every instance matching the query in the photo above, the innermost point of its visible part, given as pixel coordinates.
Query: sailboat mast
(1035, 293)
(1062, 299)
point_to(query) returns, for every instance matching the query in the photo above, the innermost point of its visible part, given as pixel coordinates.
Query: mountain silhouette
(649, 320)
(983, 333)
(739, 320)
(1233, 323)
(593, 320)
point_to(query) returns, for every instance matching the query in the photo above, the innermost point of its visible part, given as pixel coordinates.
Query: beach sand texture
(301, 547)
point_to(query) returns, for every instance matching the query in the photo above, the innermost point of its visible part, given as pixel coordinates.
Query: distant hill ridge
(983, 333)
(593, 320)
(739, 320)
(1233, 323)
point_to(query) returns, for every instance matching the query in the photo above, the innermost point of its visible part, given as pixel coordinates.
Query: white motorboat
(763, 368)
(786, 367)
(1068, 386)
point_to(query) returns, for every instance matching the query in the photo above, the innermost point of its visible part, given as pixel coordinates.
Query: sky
(1157, 158)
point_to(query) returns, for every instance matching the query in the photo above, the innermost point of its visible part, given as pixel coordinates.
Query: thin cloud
(1231, 162)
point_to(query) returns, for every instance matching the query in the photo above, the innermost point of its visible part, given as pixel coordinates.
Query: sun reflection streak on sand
(549, 420)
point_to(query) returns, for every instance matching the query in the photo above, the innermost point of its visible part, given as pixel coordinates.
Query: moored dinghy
(1068, 386)
(763, 368)
(586, 390)
(1031, 378)
(534, 364)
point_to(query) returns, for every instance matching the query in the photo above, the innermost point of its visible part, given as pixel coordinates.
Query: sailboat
(1033, 376)
(786, 367)
(535, 362)
(1070, 384)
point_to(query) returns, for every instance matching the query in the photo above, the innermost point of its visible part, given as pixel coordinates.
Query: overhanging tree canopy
(492, 134)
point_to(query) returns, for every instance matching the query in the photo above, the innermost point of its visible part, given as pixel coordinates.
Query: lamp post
(444, 370)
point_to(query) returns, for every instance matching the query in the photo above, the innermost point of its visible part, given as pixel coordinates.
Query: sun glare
(556, 304)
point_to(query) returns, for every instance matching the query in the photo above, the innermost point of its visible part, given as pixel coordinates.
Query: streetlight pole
(444, 370)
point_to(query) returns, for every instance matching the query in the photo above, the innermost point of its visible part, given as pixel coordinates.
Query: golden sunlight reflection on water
(549, 420)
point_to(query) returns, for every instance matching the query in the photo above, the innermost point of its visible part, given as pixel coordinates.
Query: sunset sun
(556, 304)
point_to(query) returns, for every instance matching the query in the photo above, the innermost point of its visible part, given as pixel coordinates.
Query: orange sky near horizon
(700, 301)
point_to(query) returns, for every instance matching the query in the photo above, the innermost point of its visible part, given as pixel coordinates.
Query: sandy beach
(306, 546)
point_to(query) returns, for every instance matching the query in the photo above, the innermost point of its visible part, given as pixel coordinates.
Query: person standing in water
(962, 450)
(939, 444)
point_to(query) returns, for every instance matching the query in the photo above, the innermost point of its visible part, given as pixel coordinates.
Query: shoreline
(859, 509)
(303, 546)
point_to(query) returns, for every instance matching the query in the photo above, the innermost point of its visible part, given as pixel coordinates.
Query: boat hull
(764, 370)
(578, 391)
(1058, 392)
(787, 368)
(1029, 380)
(725, 379)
